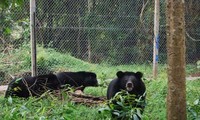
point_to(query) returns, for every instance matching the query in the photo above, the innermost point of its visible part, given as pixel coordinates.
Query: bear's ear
(139, 74)
(120, 74)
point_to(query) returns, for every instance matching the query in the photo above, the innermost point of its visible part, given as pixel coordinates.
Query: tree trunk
(176, 98)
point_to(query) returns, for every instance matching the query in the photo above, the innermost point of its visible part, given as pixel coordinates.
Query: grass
(52, 108)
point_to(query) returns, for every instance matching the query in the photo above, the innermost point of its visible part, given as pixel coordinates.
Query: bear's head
(130, 81)
(90, 79)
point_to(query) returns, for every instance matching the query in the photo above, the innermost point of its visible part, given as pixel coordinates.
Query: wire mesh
(97, 31)
(114, 32)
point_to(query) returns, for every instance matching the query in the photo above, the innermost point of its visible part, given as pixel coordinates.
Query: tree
(7, 3)
(176, 98)
(10, 21)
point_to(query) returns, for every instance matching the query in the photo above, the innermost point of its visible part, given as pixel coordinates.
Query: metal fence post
(156, 38)
(32, 36)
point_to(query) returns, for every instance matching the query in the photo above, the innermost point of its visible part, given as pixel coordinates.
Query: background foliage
(97, 31)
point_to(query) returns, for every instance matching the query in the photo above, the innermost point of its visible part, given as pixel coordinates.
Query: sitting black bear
(79, 80)
(32, 86)
(130, 82)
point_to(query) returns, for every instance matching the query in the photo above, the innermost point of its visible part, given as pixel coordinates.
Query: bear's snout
(129, 86)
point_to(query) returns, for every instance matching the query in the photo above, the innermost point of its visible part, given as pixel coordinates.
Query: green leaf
(10, 100)
(17, 80)
(42, 118)
(19, 2)
(12, 111)
(135, 117)
(120, 103)
(104, 109)
(116, 113)
(196, 102)
(7, 31)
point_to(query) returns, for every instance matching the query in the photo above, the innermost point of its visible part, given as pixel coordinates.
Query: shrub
(122, 106)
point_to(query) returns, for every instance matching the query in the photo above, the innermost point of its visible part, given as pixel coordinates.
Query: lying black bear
(79, 79)
(130, 82)
(32, 86)
(35, 86)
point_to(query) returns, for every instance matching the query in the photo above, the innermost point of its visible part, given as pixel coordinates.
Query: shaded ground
(194, 76)
(86, 99)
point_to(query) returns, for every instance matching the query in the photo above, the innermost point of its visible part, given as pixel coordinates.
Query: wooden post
(32, 36)
(156, 38)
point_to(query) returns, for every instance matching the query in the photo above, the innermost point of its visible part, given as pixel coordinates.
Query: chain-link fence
(97, 31)
(114, 32)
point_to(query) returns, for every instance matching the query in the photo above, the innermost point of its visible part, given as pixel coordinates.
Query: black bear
(79, 80)
(130, 82)
(32, 86)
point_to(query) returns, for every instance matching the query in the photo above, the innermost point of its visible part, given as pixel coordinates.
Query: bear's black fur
(78, 80)
(32, 86)
(35, 86)
(130, 82)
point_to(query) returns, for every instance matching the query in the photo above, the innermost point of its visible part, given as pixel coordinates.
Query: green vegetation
(121, 106)
(51, 107)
